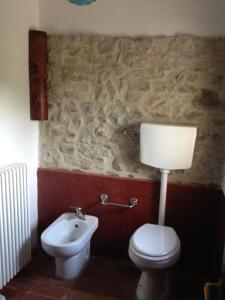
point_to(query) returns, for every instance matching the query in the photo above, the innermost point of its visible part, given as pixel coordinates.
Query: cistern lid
(155, 240)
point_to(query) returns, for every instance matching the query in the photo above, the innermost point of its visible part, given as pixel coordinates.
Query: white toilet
(67, 239)
(155, 248)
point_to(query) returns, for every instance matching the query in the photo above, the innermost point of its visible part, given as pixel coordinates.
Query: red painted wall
(193, 211)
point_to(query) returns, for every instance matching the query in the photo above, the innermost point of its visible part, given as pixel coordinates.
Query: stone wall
(101, 88)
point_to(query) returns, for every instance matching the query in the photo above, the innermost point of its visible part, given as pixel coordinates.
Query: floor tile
(21, 283)
(12, 294)
(30, 296)
(51, 288)
(78, 295)
(91, 286)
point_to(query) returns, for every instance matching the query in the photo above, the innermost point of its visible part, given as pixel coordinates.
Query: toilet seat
(155, 243)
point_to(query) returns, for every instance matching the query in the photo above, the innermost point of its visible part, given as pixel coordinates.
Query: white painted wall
(135, 17)
(18, 135)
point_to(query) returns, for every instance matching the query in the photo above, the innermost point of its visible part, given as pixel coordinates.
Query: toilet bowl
(153, 249)
(67, 239)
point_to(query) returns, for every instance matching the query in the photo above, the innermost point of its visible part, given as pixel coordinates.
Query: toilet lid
(155, 240)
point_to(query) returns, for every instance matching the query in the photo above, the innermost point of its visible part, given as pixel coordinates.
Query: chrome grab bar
(104, 200)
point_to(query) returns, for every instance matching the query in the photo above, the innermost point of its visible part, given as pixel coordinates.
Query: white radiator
(15, 233)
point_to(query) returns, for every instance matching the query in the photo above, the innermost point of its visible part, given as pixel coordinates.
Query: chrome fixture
(78, 212)
(104, 200)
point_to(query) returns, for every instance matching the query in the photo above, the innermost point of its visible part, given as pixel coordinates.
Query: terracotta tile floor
(104, 279)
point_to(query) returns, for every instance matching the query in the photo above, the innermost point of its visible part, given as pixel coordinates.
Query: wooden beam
(38, 75)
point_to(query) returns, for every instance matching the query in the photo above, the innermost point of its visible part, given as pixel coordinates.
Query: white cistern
(155, 248)
(166, 147)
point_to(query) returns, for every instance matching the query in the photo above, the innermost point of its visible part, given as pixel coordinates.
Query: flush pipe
(162, 200)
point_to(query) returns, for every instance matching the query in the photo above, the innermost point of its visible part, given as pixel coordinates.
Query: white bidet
(68, 240)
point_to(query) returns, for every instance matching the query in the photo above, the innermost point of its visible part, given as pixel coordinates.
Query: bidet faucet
(78, 213)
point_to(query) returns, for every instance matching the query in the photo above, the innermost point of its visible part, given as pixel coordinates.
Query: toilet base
(153, 285)
(72, 267)
(2, 297)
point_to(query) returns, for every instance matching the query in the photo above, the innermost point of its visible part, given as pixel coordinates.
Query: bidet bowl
(67, 235)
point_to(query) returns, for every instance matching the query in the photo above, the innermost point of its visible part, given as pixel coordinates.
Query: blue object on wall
(81, 2)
